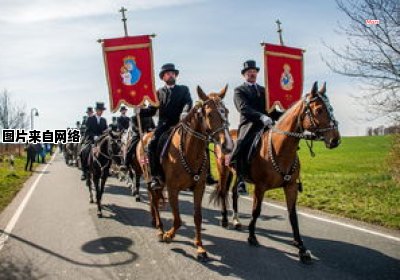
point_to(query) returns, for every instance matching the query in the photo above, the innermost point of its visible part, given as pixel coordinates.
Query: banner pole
(146, 167)
(278, 23)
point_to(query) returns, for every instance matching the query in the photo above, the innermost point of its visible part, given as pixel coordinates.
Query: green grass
(353, 181)
(11, 181)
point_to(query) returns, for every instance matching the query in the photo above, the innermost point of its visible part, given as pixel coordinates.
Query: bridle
(312, 133)
(110, 155)
(208, 137)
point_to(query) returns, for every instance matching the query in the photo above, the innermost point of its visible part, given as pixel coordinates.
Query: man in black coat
(175, 100)
(249, 100)
(123, 121)
(147, 126)
(95, 126)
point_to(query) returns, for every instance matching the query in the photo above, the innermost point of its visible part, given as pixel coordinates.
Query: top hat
(100, 106)
(249, 64)
(89, 110)
(123, 108)
(168, 67)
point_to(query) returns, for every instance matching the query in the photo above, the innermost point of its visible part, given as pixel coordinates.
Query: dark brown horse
(276, 163)
(107, 149)
(185, 163)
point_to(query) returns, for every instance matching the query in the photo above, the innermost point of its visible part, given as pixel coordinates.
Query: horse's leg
(235, 197)
(291, 199)
(257, 200)
(174, 203)
(156, 219)
(96, 182)
(197, 199)
(223, 189)
(89, 185)
(137, 182)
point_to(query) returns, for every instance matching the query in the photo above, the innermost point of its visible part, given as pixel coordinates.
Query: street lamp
(34, 113)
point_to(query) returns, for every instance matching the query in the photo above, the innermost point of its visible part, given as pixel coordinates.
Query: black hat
(100, 106)
(89, 110)
(168, 67)
(249, 64)
(123, 108)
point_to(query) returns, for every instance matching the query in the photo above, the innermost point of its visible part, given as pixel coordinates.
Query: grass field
(352, 180)
(11, 181)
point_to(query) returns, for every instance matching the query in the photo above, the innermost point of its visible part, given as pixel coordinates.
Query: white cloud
(23, 11)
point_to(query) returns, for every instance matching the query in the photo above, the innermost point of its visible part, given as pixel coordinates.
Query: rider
(249, 100)
(123, 121)
(95, 126)
(148, 125)
(175, 103)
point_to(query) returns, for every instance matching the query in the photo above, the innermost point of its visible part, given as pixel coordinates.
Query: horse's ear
(223, 92)
(202, 95)
(323, 89)
(314, 89)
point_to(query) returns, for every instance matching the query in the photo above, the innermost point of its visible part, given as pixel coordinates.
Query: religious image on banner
(283, 75)
(129, 71)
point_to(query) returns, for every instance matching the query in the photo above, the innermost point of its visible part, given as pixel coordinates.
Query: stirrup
(155, 184)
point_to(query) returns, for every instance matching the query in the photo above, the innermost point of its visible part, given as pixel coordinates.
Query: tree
(11, 115)
(372, 53)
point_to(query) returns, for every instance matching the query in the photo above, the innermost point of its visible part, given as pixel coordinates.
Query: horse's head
(114, 145)
(215, 118)
(319, 118)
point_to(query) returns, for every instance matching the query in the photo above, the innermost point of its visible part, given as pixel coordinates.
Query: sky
(50, 59)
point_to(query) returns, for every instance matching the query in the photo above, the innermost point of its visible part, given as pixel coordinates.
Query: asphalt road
(58, 236)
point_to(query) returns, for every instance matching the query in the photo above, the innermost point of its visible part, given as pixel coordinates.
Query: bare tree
(372, 52)
(12, 116)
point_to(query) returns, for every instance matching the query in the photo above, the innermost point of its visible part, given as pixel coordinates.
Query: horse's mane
(289, 111)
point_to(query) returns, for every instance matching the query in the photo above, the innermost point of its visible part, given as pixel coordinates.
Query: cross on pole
(278, 23)
(124, 19)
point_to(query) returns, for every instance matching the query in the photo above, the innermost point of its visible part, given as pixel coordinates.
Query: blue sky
(50, 59)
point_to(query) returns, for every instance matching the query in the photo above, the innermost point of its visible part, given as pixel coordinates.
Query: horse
(276, 164)
(71, 154)
(184, 162)
(134, 168)
(106, 149)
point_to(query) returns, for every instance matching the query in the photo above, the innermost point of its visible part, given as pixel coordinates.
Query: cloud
(22, 11)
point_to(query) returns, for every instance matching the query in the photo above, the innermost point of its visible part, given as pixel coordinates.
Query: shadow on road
(332, 259)
(105, 245)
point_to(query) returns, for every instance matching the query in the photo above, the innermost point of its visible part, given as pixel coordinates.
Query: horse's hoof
(253, 241)
(137, 199)
(167, 238)
(224, 223)
(91, 201)
(237, 226)
(202, 257)
(99, 214)
(305, 256)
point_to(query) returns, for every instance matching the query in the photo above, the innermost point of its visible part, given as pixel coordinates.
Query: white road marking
(11, 224)
(326, 220)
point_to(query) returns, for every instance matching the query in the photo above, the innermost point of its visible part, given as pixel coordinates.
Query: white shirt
(98, 119)
(170, 87)
(250, 84)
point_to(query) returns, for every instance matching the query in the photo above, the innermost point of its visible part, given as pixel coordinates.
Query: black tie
(254, 89)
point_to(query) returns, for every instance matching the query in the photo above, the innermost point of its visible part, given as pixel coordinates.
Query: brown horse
(185, 161)
(276, 163)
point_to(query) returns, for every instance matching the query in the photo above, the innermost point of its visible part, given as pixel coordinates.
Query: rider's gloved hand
(267, 121)
(183, 115)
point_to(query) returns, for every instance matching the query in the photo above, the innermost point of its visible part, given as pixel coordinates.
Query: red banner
(129, 70)
(283, 75)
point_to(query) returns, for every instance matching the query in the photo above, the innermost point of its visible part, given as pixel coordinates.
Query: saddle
(163, 143)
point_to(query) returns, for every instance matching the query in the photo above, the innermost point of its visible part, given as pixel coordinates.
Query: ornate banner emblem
(283, 75)
(129, 70)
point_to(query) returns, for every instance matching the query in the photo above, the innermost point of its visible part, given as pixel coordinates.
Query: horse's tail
(220, 194)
